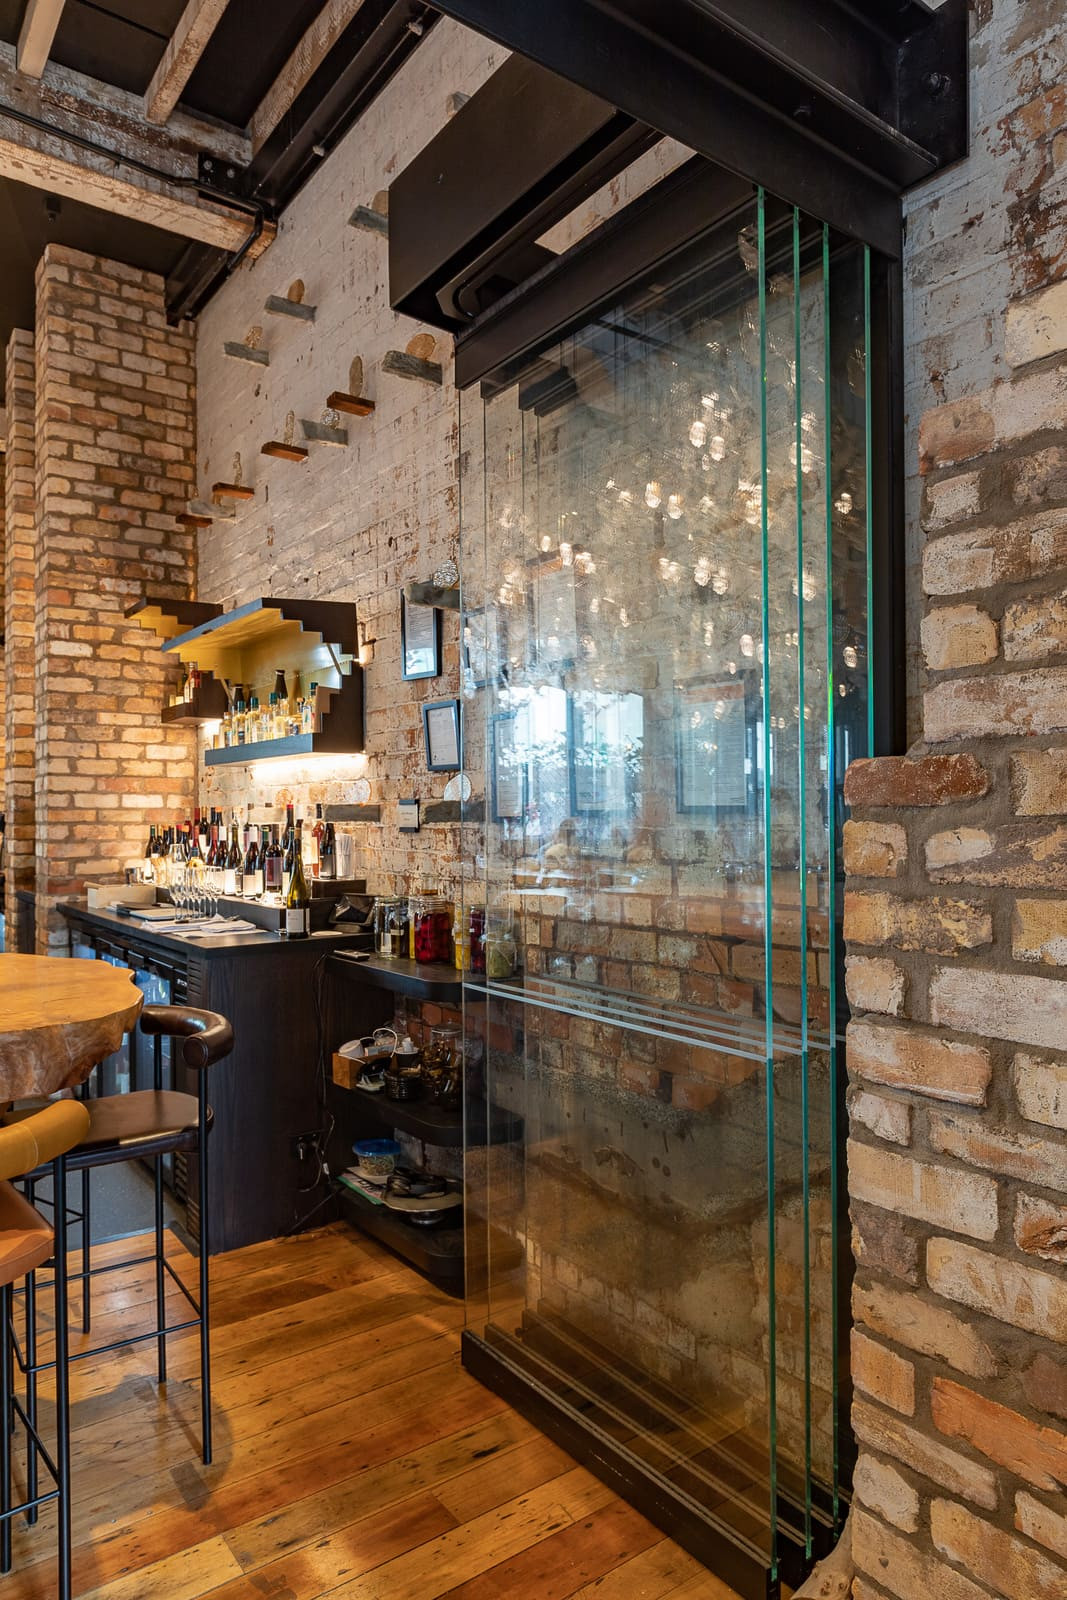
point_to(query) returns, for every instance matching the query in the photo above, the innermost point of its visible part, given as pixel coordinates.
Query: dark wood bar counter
(267, 1092)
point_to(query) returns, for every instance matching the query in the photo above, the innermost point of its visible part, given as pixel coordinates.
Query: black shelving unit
(360, 998)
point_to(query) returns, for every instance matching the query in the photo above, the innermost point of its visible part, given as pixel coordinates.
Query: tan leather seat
(25, 1237)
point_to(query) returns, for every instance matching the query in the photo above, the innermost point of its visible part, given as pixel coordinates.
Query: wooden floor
(353, 1455)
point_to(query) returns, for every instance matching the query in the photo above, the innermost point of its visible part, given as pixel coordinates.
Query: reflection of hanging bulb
(594, 605)
(588, 644)
(610, 484)
(675, 508)
(708, 400)
(720, 581)
(807, 456)
(748, 646)
(546, 542)
(709, 634)
(717, 447)
(851, 655)
(624, 616)
(808, 584)
(584, 563)
(706, 503)
(702, 572)
(626, 496)
(720, 709)
(842, 689)
(843, 503)
(698, 432)
(653, 494)
(566, 553)
(731, 667)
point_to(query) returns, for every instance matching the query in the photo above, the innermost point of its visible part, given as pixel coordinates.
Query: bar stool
(26, 1243)
(149, 1124)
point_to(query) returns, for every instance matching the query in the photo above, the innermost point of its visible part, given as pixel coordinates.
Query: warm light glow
(675, 507)
(748, 645)
(653, 494)
(843, 503)
(717, 447)
(698, 432)
(315, 768)
(851, 655)
(566, 553)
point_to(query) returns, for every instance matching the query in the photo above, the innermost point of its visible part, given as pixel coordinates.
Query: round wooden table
(58, 1018)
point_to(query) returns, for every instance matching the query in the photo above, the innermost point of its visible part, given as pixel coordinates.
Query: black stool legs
(205, 1324)
(6, 1412)
(62, 1380)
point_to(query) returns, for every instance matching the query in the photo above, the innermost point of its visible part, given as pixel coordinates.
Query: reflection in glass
(665, 551)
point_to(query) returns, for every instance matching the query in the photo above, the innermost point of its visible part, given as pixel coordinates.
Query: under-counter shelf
(434, 1124)
(437, 1251)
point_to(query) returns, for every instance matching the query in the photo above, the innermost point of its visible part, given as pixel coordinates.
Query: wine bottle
(290, 846)
(316, 840)
(328, 852)
(234, 861)
(297, 899)
(253, 869)
(272, 864)
(148, 871)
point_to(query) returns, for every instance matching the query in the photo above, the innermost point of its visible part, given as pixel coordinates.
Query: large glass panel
(664, 564)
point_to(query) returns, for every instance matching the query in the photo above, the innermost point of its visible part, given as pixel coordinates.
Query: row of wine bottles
(251, 860)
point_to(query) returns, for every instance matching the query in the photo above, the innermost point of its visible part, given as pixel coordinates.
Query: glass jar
(433, 930)
(439, 1057)
(501, 954)
(390, 926)
(476, 940)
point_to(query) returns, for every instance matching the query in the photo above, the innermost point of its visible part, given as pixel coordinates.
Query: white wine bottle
(298, 899)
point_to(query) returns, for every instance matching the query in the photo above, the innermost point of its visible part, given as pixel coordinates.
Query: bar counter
(268, 1091)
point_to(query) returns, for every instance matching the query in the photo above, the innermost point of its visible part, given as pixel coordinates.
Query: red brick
(933, 780)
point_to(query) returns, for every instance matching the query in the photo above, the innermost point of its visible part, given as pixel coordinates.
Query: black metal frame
(12, 1409)
(27, 1361)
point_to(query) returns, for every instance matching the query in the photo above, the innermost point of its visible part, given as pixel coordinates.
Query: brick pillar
(19, 541)
(955, 910)
(115, 464)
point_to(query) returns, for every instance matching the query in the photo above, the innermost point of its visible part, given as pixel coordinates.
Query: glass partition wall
(665, 558)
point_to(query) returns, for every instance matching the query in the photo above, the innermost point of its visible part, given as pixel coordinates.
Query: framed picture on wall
(508, 791)
(440, 727)
(483, 649)
(715, 731)
(605, 743)
(420, 641)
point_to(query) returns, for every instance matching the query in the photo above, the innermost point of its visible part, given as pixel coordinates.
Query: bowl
(377, 1157)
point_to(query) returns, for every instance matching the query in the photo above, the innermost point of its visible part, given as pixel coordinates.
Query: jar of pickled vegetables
(433, 930)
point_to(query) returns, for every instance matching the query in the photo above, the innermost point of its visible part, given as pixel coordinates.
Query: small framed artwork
(605, 742)
(440, 726)
(420, 641)
(715, 727)
(509, 779)
(480, 654)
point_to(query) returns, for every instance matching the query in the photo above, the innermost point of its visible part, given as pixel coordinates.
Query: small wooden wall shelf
(193, 519)
(232, 491)
(246, 352)
(401, 365)
(283, 451)
(279, 305)
(210, 511)
(354, 404)
(322, 433)
(371, 221)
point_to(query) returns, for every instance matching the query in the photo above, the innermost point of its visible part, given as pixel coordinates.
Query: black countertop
(128, 929)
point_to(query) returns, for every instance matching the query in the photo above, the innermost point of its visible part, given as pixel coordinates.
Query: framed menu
(715, 755)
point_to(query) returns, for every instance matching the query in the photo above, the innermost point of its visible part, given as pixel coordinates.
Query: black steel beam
(466, 213)
(802, 96)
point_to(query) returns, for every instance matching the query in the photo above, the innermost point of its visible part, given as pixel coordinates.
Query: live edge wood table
(267, 1092)
(57, 1020)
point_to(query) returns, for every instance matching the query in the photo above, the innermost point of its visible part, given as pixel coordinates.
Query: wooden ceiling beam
(71, 103)
(301, 66)
(45, 161)
(195, 26)
(38, 30)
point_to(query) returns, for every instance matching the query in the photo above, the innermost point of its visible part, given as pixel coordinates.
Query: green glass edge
(831, 846)
(803, 851)
(869, 478)
(768, 932)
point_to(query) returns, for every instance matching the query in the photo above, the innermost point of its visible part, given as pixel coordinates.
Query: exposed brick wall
(352, 523)
(957, 859)
(19, 526)
(115, 399)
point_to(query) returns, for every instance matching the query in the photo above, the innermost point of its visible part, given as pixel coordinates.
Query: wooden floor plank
(355, 1458)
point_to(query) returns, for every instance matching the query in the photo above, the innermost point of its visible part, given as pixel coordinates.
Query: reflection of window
(606, 740)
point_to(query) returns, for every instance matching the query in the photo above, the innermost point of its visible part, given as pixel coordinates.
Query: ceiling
(121, 42)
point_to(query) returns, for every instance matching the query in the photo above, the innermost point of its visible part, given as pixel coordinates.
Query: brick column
(115, 464)
(19, 539)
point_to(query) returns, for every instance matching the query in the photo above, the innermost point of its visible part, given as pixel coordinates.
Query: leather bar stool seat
(128, 1127)
(25, 1236)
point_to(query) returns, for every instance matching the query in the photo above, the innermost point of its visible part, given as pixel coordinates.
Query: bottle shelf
(341, 732)
(233, 644)
(208, 704)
